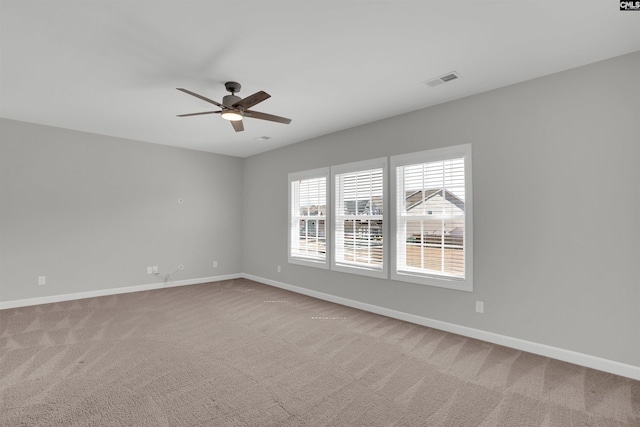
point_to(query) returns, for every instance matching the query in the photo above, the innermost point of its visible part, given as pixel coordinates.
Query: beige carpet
(242, 353)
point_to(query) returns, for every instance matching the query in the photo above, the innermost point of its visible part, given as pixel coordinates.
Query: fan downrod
(232, 87)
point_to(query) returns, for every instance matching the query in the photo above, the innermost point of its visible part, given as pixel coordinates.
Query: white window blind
(432, 207)
(308, 219)
(359, 220)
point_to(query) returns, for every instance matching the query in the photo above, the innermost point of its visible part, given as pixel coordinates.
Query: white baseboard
(570, 356)
(113, 291)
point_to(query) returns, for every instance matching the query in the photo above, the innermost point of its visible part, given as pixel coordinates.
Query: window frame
(299, 176)
(354, 167)
(434, 155)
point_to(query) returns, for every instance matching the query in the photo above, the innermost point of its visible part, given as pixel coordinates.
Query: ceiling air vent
(442, 79)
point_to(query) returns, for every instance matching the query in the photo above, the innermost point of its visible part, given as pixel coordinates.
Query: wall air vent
(442, 79)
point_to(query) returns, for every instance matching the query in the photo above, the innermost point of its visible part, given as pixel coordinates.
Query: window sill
(436, 281)
(362, 271)
(309, 262)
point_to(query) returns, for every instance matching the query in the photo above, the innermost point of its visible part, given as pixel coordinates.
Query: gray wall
(556, 181)
(91, 212)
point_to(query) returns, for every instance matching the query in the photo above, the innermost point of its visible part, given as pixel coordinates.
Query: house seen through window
(432, 217)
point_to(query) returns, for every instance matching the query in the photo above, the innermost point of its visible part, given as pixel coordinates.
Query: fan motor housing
(229, 100)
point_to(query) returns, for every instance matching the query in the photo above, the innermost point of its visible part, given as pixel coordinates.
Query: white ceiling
(111, 67)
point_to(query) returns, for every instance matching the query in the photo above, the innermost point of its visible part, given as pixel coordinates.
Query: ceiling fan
(234, 108)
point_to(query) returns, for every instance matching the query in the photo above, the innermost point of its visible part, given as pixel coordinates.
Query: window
(308, 217)
(433, 239)
(430, 218)
(359, 230)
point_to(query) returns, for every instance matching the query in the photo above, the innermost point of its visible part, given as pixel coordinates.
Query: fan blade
(265, 116)
(200, 96)
(198, 114)
(251, 100)
(237, 125)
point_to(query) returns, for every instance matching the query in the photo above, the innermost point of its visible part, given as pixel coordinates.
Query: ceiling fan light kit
(231, 115)
(234, 108)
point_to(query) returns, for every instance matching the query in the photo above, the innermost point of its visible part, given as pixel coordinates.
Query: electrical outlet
(479, 307)
(149, 270)
(215, 264)
(42, 280)
(154, 269)
(279, 269)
